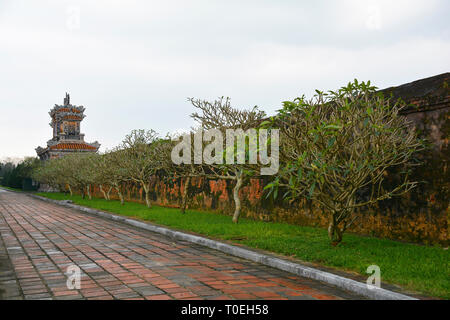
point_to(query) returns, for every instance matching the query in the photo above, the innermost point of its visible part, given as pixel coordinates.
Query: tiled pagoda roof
(72, 146)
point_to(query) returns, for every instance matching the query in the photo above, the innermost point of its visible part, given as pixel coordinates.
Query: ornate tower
(67, 138)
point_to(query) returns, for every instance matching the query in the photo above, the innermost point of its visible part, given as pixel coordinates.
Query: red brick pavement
(121, 262)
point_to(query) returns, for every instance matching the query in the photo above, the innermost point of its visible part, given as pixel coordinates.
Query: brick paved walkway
(40, 240)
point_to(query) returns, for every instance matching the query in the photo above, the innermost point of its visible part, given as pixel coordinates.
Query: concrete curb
(268, 260)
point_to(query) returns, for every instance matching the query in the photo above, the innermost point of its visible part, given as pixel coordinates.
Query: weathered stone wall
(421, 216)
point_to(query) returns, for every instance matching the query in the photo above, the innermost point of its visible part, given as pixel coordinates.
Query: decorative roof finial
(67, 99)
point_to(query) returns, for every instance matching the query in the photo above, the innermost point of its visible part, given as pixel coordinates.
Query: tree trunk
(334, 232)
(119, 193)
(108, 193)
(70, 190)
(103, 191)
(185, 194)
(88, 191)
(147, 195)
(237, 200)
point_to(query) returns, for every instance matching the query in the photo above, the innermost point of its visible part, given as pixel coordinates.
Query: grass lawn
(423, 269)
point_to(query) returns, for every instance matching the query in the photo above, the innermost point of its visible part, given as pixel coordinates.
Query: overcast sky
(133, 63)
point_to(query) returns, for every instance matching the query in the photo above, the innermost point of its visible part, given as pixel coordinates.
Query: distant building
(66, 120)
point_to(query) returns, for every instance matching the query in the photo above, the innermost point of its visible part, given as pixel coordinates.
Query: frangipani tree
(78, 169)
(140, 154)
(182, 170)
(238, 130)
(100, 166)
(110, 173)
(51, 173)
(339, 145)
(74, 171)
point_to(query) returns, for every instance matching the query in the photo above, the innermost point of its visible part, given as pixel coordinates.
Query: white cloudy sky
(133, 63)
